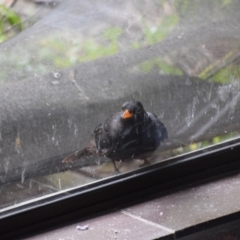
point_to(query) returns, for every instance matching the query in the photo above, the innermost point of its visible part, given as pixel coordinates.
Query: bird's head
(133, 110)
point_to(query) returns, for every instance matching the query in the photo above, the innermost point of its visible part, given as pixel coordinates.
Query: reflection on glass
(76, 66)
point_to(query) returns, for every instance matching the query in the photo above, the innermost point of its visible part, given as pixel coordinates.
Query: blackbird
(129, 134)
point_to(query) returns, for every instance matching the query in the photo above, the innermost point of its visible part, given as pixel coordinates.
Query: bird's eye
(138, 110)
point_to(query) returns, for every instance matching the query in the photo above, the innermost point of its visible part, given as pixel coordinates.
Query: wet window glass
(91, 89)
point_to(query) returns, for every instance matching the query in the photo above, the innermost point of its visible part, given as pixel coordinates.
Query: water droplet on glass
(56, 75)
(55, 82)
(82, 228)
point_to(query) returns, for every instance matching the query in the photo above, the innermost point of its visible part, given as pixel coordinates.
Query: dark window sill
(189, 194)
(209, 210)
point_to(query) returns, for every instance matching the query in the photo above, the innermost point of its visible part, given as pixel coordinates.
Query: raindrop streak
(75, 129)
(223, 92)
(70, 122)
(23, 175)
(191, 111)
(59, 184)
(197, 117)
(80, 90)
(30, 184)
(233, 105)
(209, 124)
(54, 133)
(217, 107)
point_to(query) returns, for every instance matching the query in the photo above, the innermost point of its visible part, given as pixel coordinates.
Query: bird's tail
(76, 155)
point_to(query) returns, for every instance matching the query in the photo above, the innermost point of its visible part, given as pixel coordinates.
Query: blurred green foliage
(55, 51)
(8, 20)
(227, 74)
(64, 53)
(163, 66)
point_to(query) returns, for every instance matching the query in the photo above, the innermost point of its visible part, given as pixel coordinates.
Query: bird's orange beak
(127, 114)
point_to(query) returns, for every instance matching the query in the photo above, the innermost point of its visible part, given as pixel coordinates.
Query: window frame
(121, 190)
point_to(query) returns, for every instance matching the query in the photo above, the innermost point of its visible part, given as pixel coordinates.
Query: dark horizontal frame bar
(121, 189)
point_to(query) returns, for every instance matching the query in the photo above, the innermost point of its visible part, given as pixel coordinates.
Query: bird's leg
(145, 163)
(115, 167)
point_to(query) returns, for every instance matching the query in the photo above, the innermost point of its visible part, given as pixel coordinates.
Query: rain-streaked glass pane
(74, 65)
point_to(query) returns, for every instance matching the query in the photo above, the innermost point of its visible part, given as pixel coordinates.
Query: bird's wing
(161, 129)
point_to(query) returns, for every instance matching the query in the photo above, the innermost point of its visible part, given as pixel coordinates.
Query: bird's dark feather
(125, 139)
